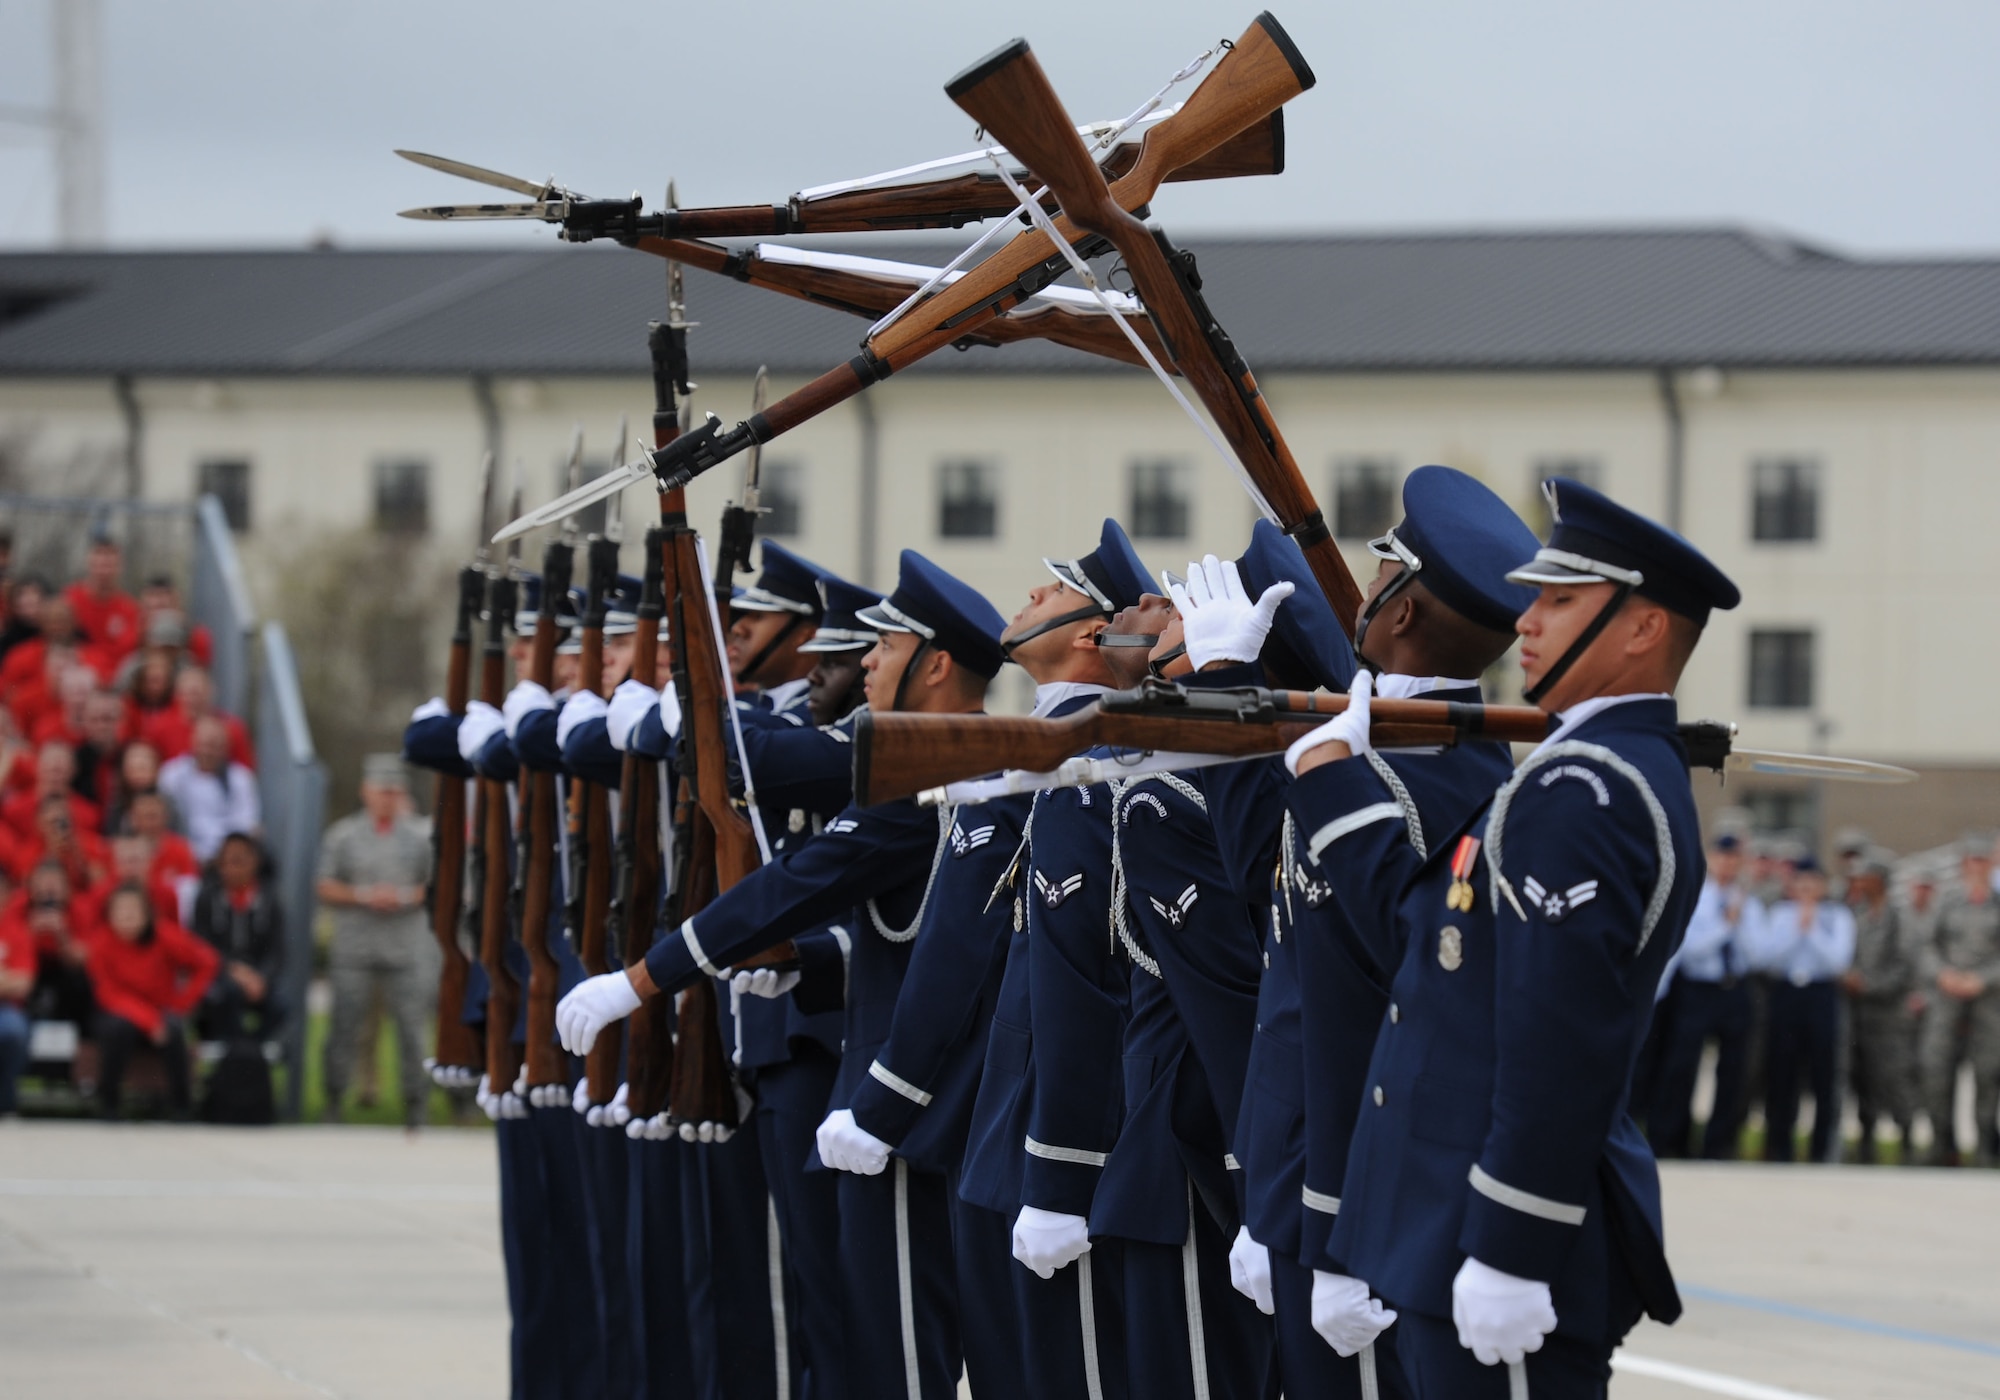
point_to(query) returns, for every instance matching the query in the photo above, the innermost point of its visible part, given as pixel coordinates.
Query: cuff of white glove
(433, 708)
(670, 712)
(628, 706)
(523, 700)
(583, 706)
(477, 729)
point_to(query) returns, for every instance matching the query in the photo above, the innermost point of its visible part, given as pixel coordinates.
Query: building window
(1586, 471)
(1784, 499)
(1160, 506)
(228, 480)
(968, 500)
(403, 496)
(1364, 497)
(778, 495)
(1776, 811)
(1781, 670)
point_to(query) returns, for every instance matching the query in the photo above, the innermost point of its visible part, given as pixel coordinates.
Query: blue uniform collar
(1655, 708)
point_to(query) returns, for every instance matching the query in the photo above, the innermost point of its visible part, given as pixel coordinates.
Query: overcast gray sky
(1868, 126)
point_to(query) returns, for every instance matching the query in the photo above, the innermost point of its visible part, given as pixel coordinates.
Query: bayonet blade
(480, 541)
(513, 513)
(567, 505)
(479, 174)
(1813, 765)
(572, 479)
(614, 516)
(760, 390)
(548, 211)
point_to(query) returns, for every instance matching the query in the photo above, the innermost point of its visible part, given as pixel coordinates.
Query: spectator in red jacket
(149, 687)
(173, 859)
(132, 864)
(138, 774)
(25, 678)
(108, 615)
(72, 685)
(172, 731)
(100, 753)
(17, 980)
(79, 850)
(49, 918)
(55, 776)
(148, 974)
(160, 600)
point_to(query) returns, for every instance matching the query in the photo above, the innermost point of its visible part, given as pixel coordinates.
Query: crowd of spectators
(136, 899)
(1876, 977)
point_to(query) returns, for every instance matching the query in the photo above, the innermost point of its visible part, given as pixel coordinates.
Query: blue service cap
(1306, 648)
(529, 611)
(1460, 540)
(621, 606)
(1596, 540)
(840, 624)
(949, 613)
(1112, 575)
(1727, 841)
(569, 614)
(786, 584)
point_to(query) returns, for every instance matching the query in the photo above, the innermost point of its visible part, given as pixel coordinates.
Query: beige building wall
(1900, 588)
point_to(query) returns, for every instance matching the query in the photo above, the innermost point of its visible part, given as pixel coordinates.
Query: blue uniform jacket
(1495, 1121)
(919, 1089)
(1344, 964)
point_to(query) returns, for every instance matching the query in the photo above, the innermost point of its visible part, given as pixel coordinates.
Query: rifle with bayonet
(495, 844)
(869, 205)
(1261, 72)
(900, 755)
(539, 820)
(640, 866)
(590, 852)
(1010, 95)
(457, 1049)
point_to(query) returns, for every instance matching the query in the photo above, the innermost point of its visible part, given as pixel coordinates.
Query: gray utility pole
(75, 122)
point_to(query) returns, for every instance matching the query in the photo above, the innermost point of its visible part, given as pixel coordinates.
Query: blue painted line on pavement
(1841, 1320)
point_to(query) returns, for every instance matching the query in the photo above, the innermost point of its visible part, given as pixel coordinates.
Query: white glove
(1047, 1240)
(628, 706)
(433, 708)
(583, 705)
(846, 1146)
(498, 1106)
(765, 982)
(1218, 620)
(449, 1076)
(591, 1005)
(523, 700)
(1349, 727)
(609, 1115)
(1250, 1270)
(1345, 1315)
(670, 711)
(579, 1097)
(1500, 1317)
(477, 729)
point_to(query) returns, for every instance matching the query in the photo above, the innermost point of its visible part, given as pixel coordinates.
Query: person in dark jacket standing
(236, 911)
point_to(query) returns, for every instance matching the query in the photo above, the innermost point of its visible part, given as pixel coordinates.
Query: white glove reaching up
(609, 1115)
(765, 982)
(846, 1146)
(1345, 1315)
(593, 1004)
(523, 700)
(1349, 727)
(1218, 620)
(1250, 1270)
(480, 724)
(628, 706)
(581, 707)
(1500, 1317)
(1047, 1240)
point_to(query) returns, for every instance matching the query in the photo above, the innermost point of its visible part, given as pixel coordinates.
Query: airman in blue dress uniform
(1497, 1194)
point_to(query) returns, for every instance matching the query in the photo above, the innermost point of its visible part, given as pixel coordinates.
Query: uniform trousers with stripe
(791, 1104)
(1308, 1368)
(898, 1283)
(1188, 1332)
(571, 1324)
(1438, 1368)
(732, 1274)
(601, 1153)
(989, 1324)
(1073, 1325)
(662, 1369)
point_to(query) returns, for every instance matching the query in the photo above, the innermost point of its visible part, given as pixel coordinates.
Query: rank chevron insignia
(1176, 913)
(1316, 892)
(1556, 905)
(1055, 892)
(963, 841)
(842, 824)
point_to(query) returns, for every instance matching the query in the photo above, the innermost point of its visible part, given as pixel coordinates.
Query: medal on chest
(1459, 896)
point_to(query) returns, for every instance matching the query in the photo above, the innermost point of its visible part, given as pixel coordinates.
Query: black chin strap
(903, 681)
(770, 648)
(1080, 615)
(1374, 605)
(1534, 693)
(1158, 665)
(1128, 639)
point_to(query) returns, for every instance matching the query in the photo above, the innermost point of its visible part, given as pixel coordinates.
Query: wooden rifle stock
(457, 1043)
(536, 864)
(1010, 95)
(955, 201)
(899, 755)
(1261, 73)
(496, 846)
(636, 888)
(590, 835)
